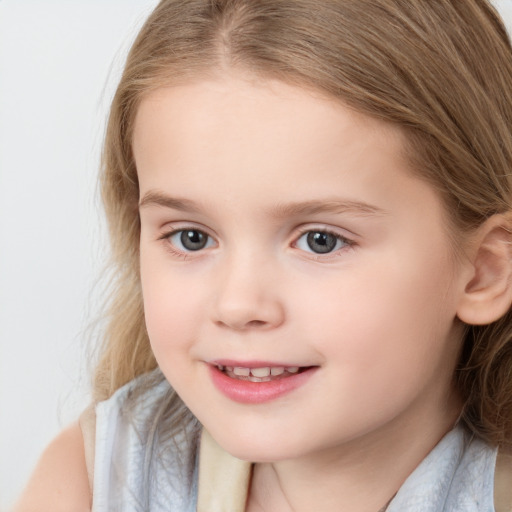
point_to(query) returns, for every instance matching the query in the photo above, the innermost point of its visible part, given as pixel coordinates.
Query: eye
(190, 240)
(321, 242)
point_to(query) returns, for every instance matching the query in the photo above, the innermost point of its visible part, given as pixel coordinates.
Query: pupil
(193, 240)
(321, 242)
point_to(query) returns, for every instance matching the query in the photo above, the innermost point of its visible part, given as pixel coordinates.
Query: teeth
(260, 372)
(243, 372)
(259, 379)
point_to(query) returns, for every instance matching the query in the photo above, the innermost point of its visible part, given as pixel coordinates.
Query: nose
(247, 297)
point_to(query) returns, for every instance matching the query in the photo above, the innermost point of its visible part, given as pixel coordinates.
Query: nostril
(255, 323)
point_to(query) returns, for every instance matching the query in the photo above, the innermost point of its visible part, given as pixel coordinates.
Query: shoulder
(59, 482)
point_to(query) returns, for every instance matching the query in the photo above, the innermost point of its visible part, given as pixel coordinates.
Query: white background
(59, 63)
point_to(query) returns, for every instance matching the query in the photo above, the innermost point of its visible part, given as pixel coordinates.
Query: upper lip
(254, 364)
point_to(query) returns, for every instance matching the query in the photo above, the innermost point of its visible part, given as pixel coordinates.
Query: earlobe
(488, 293)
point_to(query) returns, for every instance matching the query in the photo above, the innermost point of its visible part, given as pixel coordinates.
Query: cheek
(171, 316)
(170, 306)
(392, 321)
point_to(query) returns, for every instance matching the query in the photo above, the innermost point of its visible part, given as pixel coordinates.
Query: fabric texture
(223, 479)
(134, 470)
(457, 475)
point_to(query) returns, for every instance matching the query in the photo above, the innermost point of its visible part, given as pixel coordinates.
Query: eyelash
(347, 243)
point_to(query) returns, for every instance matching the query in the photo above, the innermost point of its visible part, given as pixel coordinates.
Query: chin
(254, 448)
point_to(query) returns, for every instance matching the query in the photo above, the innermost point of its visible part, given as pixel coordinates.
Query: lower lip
(247, 392)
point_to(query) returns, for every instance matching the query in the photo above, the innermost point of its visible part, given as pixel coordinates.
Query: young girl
(310, 212)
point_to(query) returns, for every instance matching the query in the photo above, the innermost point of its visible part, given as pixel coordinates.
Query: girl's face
(283, 234)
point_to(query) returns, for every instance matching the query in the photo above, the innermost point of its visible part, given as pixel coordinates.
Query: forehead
(232, 99)
(263, 127)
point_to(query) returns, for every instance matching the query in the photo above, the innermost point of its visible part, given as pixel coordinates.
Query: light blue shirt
(456, 476)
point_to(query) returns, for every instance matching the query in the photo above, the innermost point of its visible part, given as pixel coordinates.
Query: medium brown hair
(439, 69)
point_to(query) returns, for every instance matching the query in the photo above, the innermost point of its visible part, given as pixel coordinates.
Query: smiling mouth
(258, 382)
(263, 374)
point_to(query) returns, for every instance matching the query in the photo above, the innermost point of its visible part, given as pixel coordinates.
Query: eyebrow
(312, 207)
(328, 205)
(155, 198)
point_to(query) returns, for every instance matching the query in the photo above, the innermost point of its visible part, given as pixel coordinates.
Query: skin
(377, 316)
(59, 482)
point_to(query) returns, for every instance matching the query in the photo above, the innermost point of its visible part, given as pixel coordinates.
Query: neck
(361, 475)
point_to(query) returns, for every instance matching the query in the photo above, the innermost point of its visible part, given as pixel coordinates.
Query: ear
(487, 294)
(488, 289)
